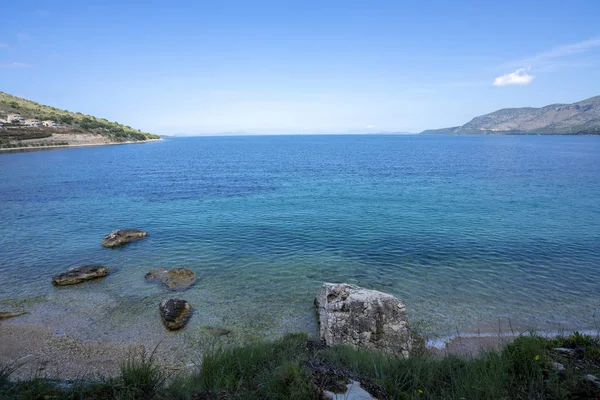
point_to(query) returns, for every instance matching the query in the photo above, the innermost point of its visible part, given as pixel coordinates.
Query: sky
(298, 67)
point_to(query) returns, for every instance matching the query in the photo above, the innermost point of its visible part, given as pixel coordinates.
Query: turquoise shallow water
(470, 231)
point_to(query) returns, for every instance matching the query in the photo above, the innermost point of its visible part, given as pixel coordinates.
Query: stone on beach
(175, 279)
(349, 314)
(80, 274)
(120, 237)
(174, 313)
(353, 392)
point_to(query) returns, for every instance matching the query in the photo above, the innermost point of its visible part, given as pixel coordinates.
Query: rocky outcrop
(349, 314)
(175, 313)
(80, 274)
(122, 236)
(175, 279)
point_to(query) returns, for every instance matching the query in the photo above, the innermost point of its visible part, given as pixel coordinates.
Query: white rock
(353, 392)
(558, 366)
(349, 314)
(563, 350)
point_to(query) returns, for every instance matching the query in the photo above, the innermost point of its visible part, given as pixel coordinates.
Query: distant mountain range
(582, 118)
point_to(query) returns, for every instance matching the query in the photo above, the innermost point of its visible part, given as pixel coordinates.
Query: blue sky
(298, 66)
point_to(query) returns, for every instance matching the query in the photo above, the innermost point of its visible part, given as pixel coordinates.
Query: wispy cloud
(519, 77)
(541, 60)
(15, 65)
(3, 45)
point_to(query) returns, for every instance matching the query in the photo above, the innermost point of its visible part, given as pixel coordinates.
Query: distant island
(27, 124)
(582, 118)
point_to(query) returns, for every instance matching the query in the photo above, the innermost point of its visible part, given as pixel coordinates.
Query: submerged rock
(179, 278)
(349, 314)
(80, 274)
(156, 275)
(7, 314)
(175, 279)
(174, 313)
(122, 236)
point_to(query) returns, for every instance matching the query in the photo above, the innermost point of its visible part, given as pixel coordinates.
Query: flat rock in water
(156, 275)
(179, 278)
(174, 313)
(6, 314)
(122, 236)
(349, 314)
(80, 274)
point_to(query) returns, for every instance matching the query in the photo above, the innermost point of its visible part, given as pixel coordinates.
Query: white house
(49, 123)
(14, 118)
(32, 122)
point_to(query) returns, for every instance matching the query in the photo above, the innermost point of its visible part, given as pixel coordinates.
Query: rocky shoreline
(346, 314)
(42, 146)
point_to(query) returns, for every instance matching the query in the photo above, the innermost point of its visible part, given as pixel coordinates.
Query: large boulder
(349, 314)
(122, 236)
(174, 313)
(80, 274)
(176, 279)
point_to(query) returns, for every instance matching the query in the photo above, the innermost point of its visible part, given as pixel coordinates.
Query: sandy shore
(38, 352)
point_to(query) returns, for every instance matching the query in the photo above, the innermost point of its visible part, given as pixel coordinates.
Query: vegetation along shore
(25, 124)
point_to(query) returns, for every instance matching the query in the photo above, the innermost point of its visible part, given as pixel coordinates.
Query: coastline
(34, 148)
(38, 350)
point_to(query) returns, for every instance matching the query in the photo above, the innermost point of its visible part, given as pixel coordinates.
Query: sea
(480, 234)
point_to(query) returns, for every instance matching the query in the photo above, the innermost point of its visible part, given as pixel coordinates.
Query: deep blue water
(470, 231)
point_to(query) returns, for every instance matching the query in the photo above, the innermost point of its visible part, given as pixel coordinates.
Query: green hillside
(67, 122)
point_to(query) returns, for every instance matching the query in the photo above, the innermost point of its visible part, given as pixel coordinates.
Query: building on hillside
(14, 118)
(49, 123)
(32, 122)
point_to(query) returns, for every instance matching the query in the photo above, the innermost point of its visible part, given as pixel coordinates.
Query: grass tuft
(295, 367)
(141, 377)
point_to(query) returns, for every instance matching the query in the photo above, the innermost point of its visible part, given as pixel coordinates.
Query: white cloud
(15, 65)
(2, 44)
(519, 77)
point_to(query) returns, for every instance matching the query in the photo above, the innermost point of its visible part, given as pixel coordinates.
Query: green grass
(295, 367)
(141, 377)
